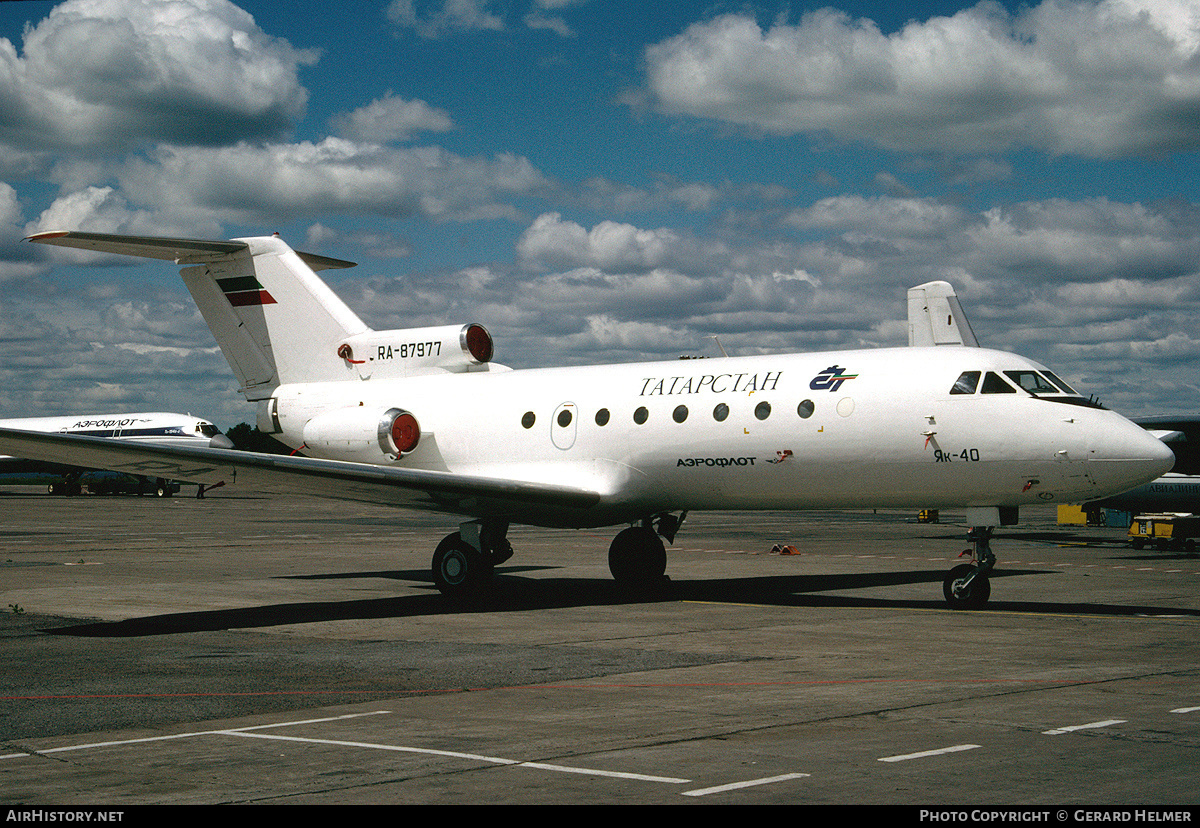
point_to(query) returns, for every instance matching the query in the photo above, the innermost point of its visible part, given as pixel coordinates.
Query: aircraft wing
(526, 502)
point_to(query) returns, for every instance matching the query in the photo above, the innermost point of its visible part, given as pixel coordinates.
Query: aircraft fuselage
(868, 428)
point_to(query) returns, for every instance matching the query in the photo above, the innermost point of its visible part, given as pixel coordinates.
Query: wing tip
(47, 235)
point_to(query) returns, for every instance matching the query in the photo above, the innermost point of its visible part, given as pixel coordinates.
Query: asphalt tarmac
(244, 649)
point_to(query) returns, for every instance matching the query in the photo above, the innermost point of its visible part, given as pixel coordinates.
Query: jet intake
(363, 435)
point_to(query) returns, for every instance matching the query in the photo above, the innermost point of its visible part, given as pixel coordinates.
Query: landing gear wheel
(458, 568)
(972, 596)
(637, 558)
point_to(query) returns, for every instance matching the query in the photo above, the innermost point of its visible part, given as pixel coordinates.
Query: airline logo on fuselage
(714, 383)
(830, 379)
(242, 291)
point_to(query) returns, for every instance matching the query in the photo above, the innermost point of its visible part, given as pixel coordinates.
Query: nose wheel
(967, 586)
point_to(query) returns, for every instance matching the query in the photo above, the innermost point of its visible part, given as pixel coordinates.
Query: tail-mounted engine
(362, 435)
(399, 353)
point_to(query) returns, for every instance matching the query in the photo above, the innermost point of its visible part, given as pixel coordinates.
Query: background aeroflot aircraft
(149, 428)
(1177, 491)
(423, 418)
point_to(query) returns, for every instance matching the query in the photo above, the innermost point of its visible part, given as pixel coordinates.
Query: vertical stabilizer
(275, 320)
(936, 318)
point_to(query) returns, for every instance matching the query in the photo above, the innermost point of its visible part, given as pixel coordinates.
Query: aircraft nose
(1127, 455)
(220, 441)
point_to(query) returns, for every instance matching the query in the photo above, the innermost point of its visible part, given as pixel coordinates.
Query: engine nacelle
(363, 435)
(401, 352)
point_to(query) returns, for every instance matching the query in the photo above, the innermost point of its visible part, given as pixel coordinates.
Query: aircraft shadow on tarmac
(510, 592)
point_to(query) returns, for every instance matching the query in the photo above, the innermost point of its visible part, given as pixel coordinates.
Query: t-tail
(278, 323)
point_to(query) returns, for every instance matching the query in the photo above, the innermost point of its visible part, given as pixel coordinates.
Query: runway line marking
(1185, 709)
(1089, 726)
(493, 760)
(749, 783)
(926, 753)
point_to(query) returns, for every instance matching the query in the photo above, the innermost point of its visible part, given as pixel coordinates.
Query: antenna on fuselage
(720, 347)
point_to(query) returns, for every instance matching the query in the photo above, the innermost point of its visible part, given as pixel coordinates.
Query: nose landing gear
(967, 585)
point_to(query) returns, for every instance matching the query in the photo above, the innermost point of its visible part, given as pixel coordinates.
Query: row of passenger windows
(1032, 381)
(642, 414)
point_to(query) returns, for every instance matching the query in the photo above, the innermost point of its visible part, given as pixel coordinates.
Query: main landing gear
(967, 585)
(465, 561)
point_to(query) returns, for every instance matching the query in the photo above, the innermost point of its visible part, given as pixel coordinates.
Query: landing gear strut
(465, 561)
(967, 585)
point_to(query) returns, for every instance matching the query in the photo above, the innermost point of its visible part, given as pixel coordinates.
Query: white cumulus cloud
(1104, 79)
(109, 74)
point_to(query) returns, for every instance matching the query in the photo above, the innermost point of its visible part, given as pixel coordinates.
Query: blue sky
(607, 181)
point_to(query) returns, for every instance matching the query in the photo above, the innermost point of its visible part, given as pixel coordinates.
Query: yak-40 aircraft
(423, 419)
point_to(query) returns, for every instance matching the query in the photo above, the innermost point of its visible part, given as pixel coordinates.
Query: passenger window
(966, 383)
(680, 414)
(602, 417)
(529, 419)
(805, 409)
(720, 412)
(641, 415)
(762, 410)
(993, 384)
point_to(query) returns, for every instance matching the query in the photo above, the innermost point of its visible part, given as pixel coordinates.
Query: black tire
(637, 558)
(975, 596)
(458, 568)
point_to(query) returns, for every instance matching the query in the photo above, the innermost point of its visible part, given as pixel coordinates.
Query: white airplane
(143, 428)
(423, 418)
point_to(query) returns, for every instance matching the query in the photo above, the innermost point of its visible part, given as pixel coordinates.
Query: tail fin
(275, 320)
(936, 318)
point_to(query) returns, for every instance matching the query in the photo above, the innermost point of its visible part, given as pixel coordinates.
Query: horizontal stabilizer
(409, 488)
(936, 318)
(274, 318)
(180, 251)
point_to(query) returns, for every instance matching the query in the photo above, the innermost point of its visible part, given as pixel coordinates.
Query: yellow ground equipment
(1165, 531)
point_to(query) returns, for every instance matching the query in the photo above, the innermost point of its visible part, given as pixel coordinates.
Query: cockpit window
(966, 383)
(1054, 379)
(993, 384)
(1032, 381)
(208, 429)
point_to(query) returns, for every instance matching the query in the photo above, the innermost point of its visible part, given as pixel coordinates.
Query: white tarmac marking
(749, 783)
(1089, 726)
(924, 753)
(1185, 709)
(120, 742)
(249, 732)
(493, 760)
